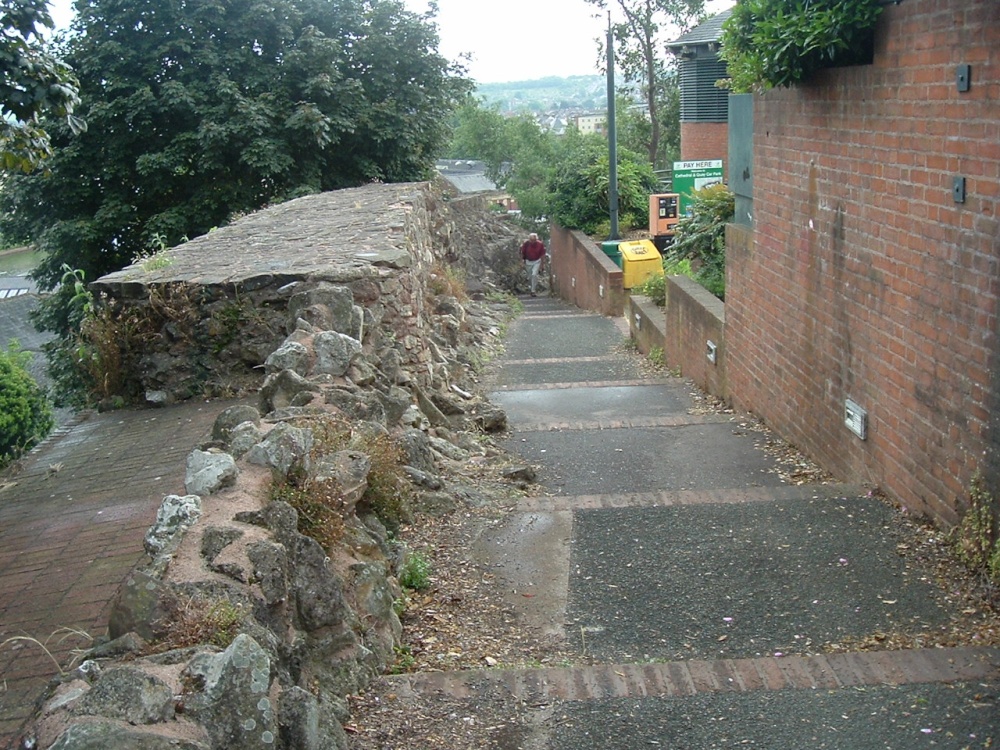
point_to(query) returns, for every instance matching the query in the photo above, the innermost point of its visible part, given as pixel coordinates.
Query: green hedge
(25, 411)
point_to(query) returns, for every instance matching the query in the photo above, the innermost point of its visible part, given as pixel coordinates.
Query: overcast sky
(516, 40)
(521, 40)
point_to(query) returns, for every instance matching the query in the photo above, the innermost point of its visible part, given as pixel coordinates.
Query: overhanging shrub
(771, 43)
(701, 237)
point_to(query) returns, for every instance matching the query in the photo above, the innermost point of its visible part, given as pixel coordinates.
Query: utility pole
(612, 138)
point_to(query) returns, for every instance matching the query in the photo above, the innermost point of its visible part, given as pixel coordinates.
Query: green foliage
(404, 661)
(415, 573)
(635, 128)
(564, 178)
(481, 132)
(201, 110)
(33, 83)
(701, 237)
(769, 43)
(578, 187)
(655, 287)
(977, 537)
(25, 412)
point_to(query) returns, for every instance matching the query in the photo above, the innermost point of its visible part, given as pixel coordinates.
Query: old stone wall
(869, 278)
(214, 308)
(270, 591)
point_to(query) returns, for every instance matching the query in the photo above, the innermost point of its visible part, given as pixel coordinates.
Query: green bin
(610, 249)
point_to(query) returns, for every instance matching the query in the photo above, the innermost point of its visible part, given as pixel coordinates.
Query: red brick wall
(865, 279)
(701, 141)
(583, 274)
(693, 317)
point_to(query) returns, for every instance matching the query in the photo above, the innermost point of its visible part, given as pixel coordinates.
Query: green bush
(415, 572)
(580, 181)
(655, 287)
(701, 237)
(977, 536)
(25, 411)
(769, 43)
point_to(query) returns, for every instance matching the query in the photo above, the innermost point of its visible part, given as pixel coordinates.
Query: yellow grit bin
(640, 260)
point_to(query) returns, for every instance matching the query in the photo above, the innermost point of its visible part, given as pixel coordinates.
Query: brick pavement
(71, 528)
(833, 671)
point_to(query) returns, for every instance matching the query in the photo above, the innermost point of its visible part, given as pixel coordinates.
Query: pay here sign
(694, 175)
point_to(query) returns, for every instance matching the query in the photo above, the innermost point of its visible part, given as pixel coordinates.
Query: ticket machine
(664, 210)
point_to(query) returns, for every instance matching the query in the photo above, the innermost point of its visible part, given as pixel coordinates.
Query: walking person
(533, 254)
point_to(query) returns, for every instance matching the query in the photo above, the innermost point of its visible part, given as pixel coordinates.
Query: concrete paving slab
(537, 336)
(530, 553)
(569, 370)
(608, 402)
(954, 716)
(582, 462)
(733, 581)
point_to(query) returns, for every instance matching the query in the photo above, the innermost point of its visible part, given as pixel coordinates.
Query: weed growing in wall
(101, 341)
(320, 504)
(977, 537)
(200, 620)
(415, 572)
(389, 493)
(447, 281)
(655, 287)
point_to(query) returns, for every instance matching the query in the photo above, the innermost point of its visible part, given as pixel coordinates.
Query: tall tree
(639, 49)
(201, 109)
(33, 83)
(579, 181)
(518, 154)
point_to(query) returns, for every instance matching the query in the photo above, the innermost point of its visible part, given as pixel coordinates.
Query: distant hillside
(547, 94)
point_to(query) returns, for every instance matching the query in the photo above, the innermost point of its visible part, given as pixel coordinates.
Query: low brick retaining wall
(646, 322)
(583, 275)
(695, 321)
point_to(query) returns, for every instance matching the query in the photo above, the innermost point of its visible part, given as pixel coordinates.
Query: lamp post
(612, 138)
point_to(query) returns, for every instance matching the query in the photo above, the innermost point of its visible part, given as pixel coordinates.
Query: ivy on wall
(769, 43)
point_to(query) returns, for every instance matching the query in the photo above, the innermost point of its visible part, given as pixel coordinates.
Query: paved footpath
(71, 528)
(698, 588)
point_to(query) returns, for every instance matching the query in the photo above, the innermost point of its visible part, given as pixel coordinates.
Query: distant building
(465, 175)
(591, 123)
(704, 106)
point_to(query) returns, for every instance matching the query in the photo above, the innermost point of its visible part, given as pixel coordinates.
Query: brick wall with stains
(866, 278)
